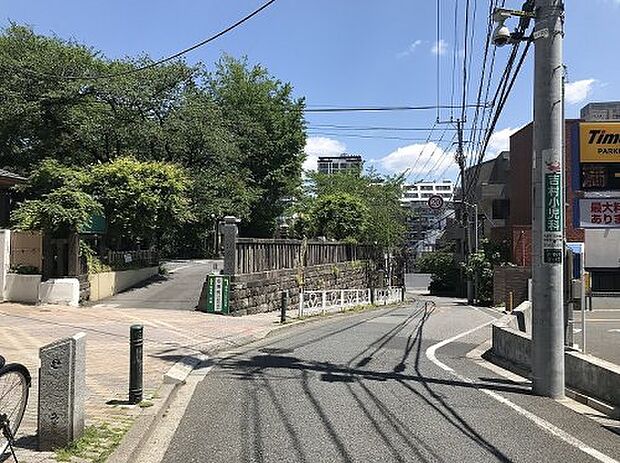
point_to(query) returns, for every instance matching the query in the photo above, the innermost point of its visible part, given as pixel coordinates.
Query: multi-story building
(425, 225)
(344, 162)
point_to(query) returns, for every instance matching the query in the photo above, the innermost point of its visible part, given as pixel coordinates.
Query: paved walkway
(169, 335)
(178, 289)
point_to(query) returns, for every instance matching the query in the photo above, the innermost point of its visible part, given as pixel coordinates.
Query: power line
(317, 132)
(383, 108)
(384, 128)
(171, 57)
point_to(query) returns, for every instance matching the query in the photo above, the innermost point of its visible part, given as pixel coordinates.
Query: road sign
(435, 202)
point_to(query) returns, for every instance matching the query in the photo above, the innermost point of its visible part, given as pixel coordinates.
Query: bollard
(283, 305)
(510, 301)
(135, 363)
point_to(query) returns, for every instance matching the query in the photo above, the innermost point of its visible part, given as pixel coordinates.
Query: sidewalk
(169, 335)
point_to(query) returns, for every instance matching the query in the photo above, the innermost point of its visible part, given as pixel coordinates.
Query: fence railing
(333, 300)
(148, 257)
(259, 255)
(384, 296)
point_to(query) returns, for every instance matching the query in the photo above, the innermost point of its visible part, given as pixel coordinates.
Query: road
(179, 288)
(389, 385)
(602, 333)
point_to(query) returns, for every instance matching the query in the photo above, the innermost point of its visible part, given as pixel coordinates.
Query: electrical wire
(171, 57)
(337, 109)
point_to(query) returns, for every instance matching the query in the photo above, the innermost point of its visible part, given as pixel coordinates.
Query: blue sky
(346, 52)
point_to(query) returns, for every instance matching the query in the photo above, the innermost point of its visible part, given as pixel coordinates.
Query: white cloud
(439, 48)
(321, 146)
(410, 49)
(499, 141)
(578, 91)
(414, 158)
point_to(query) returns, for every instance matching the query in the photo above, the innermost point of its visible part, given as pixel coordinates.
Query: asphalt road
(366, 388)
(178, 289)
(602, 333)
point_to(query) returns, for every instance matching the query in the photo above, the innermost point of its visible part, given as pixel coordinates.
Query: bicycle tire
(13, 401)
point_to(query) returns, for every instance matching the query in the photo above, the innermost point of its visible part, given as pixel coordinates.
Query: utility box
(216, 294)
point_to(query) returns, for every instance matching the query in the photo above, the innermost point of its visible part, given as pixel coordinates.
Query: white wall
(602, 249)
(5, 260)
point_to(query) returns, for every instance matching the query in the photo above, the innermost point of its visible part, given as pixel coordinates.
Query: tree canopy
(375, 214)
(237, 131)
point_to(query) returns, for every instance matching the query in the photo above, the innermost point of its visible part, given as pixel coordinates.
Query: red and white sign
(599, 213)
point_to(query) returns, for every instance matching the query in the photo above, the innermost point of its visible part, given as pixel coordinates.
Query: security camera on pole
(547, 191)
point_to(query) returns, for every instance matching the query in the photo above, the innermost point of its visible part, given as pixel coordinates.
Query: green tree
(379, 195)
(443, 270)
(269, 127)
(58, 213)
(144, 202)
(479, 267)
(338, 216)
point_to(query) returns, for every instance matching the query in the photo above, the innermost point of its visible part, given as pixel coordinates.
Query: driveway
(178, 289)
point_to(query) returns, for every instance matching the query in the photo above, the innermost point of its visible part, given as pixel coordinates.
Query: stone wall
(507, 279)
(260, 292)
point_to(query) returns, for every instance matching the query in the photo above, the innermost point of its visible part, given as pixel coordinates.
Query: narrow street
(371, 387)
(179, 288)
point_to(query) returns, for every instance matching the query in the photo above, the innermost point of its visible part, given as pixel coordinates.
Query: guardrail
(384, 296)
(338, 300)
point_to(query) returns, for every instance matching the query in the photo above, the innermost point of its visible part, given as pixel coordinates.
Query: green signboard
(218, 292)
(96, 226)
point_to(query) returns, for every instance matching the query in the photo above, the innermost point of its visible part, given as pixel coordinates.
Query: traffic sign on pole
(435, 202)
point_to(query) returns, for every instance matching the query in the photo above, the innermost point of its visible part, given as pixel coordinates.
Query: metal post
(547, 203)
(135, 363)
(324, 300)
(460, 159)
(301, 302)
(283, 305)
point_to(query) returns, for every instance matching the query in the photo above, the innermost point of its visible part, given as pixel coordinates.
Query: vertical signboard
(552, 227)
(218, 289)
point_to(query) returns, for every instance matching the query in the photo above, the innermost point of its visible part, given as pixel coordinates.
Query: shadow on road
(259, 372)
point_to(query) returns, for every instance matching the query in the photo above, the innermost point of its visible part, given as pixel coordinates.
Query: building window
(426, 188)
(501, 208)
(443, 188)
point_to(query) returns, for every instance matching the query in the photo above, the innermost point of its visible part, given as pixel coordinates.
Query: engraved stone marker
(62, 390)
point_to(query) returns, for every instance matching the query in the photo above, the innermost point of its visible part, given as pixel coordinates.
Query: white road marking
(577, 330)
(615, 330)
(540, 422)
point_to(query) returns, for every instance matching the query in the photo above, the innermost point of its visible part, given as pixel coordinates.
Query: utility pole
(460, 159)
(548, 203)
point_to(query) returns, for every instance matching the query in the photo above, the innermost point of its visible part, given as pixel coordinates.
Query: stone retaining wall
(260, 292)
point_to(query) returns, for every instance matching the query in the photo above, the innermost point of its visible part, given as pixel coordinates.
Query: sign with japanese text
(599, 142)
(553, 237)
(599, 213)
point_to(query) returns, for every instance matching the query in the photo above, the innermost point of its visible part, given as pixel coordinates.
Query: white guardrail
(338, 300)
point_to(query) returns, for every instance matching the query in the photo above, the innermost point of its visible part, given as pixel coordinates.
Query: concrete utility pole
(460, 159)
(548, 203)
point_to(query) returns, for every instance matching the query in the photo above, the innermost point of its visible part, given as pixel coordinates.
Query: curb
(138, 435)
(487, 355)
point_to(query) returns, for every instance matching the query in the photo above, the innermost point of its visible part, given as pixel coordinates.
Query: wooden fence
(259, 255)
(142, 258)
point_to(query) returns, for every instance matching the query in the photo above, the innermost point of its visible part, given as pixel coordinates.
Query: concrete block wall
(507, 279)
(586, 374)
(260, 292)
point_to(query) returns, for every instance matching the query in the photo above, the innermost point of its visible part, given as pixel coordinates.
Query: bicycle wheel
(14, 385)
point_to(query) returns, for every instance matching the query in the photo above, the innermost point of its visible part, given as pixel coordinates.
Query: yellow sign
(599, 141)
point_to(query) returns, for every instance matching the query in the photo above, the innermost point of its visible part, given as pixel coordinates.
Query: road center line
(538, 421)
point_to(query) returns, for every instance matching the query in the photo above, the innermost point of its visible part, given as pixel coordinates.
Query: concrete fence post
(342, 299)
(62, 389)
(230, 244)
(369, 295)
(324, 300)
(301, 302)
(5, 259)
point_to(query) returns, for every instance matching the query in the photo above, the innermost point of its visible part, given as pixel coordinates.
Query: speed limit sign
(435, 202)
